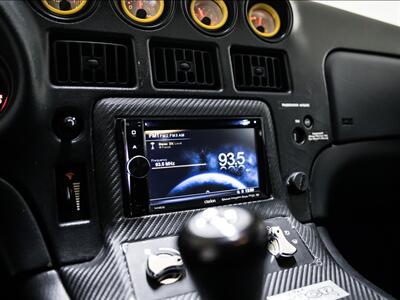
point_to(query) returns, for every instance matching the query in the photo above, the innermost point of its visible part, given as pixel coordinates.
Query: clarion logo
(210, 201)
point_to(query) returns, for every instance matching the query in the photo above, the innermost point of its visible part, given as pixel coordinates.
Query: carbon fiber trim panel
(323, 268)
(106, 277)
(107, 161)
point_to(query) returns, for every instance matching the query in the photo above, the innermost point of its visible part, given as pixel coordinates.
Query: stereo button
(138, 166)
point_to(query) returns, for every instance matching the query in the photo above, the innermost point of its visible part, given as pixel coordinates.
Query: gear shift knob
(224, 250)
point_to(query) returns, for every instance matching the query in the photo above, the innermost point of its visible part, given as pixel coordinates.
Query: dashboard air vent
(91, 64)
(260, 70)
(180, 66)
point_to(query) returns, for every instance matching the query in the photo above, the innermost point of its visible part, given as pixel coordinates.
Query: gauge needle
(259, 21)
(140, 4)
(200, 13)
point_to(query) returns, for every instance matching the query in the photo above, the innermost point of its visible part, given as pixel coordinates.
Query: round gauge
(264, 20)
(209, 14)
(4, 91)
(64, 7)
(143, 11)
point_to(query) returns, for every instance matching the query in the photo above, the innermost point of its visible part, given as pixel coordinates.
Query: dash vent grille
(184, 67)
(260, 70)
(91, 64)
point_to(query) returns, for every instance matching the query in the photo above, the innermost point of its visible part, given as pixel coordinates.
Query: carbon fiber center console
(116, 274)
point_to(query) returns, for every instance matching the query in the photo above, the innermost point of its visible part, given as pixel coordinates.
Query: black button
(70, 122)
(297, 183)
(308, 122)
(138, 166)
(67, 126)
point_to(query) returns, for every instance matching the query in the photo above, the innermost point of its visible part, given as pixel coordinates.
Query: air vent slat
(177, 65)
(91, 63)
(259, 70)
(68, 74)
(278, 75)
(200, 67)
(81, 62)
(238, 61)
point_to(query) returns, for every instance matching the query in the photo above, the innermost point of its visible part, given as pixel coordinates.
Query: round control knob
(138, 166)
(297, 183)
(224, 250)
(67, 125)
(70, 122)
(165, 267)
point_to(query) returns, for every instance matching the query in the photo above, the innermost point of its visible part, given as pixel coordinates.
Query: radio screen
(210, 166)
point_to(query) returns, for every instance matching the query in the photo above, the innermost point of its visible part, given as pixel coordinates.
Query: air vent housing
(181, 66)
(260, 70)
(87, 63)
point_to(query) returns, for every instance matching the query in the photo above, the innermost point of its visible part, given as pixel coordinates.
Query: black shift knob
(224, 251)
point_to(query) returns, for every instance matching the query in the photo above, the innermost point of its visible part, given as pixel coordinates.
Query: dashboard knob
(224, 250)
(278, 245)
(297, 183)
(138, 166)
(70, 122)
(165, 267)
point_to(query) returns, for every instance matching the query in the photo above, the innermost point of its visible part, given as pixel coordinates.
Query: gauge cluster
(264, 20)
(269, 20)
(143, 11)
(216, 17)
(145, 14)
(64, 10)
(65, 7)
(210, 15)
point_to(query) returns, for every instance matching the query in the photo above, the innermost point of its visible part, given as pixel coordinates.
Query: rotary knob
(138, 166)
(165, 267)
(297, 183)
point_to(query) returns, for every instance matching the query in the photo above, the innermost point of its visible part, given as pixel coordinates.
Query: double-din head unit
(172, 165)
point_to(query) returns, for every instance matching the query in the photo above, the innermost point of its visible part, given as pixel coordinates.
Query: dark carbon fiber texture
(106, 277)
(107, 161)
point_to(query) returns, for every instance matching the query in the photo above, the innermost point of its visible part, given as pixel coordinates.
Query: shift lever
(224, 250)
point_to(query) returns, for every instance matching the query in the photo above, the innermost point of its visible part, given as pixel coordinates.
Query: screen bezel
(212, 123)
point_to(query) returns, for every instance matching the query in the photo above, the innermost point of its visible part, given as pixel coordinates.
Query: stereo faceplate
(170, 165)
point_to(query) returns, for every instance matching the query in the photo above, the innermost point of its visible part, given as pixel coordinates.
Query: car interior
(198, 149)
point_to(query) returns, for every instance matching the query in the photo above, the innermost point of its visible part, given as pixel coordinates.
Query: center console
(159, 162)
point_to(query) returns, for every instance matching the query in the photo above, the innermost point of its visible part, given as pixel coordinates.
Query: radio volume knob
(138, 166)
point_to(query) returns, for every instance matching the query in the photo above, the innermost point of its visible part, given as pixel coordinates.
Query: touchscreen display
(206, 165)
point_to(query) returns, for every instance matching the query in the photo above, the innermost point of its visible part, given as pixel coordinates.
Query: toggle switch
(278, 245)
(165, 267)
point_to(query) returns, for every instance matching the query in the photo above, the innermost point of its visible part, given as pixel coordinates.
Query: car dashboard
(122, 120)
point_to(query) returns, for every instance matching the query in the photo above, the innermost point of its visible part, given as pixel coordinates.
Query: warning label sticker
(326, 290)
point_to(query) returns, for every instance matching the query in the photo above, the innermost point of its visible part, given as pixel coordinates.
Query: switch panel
(157, 272)
(154, 275)
(72, 196)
